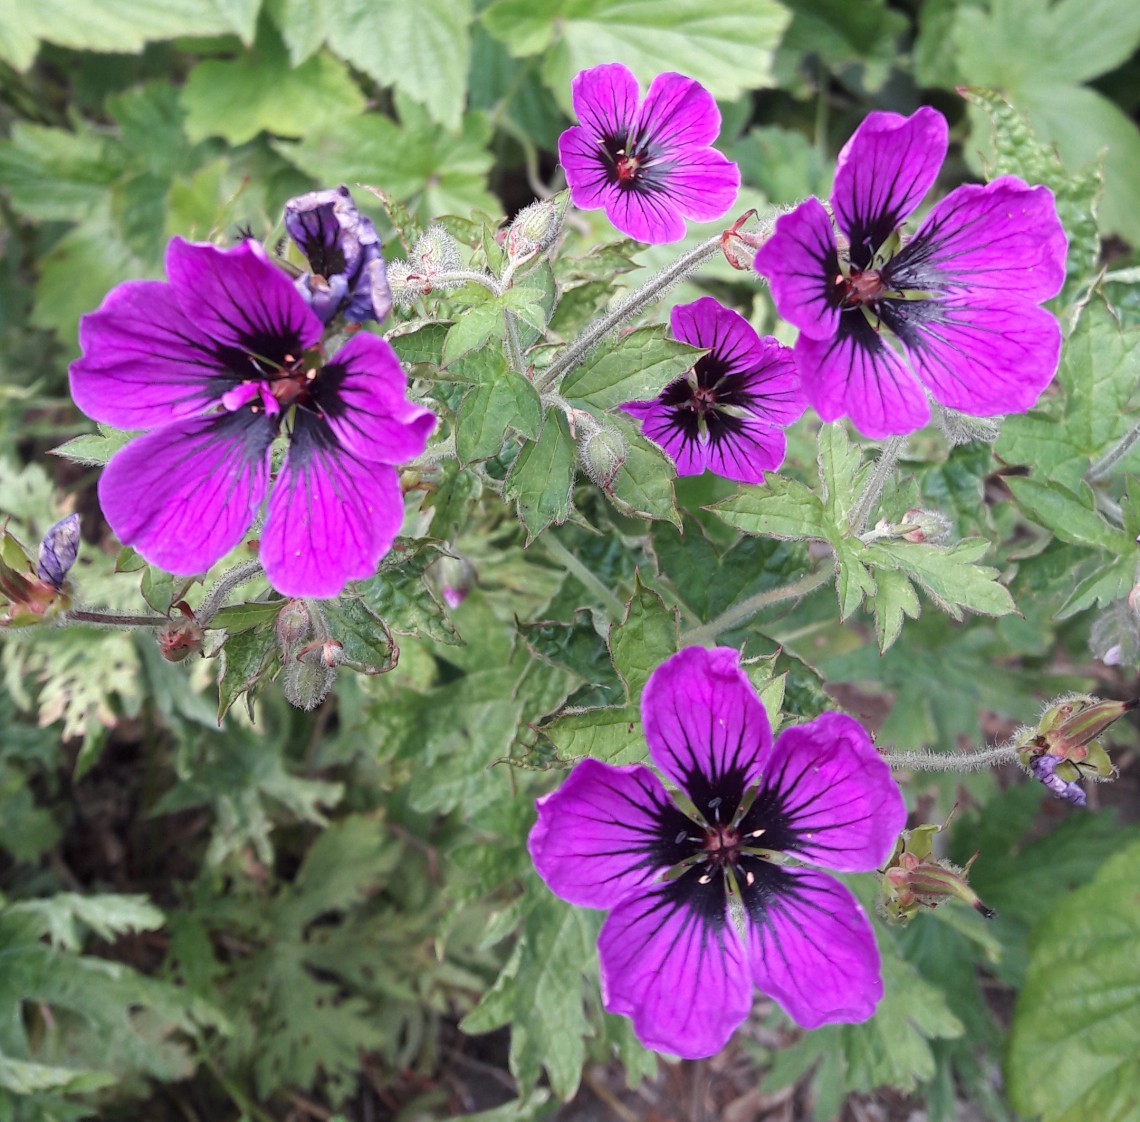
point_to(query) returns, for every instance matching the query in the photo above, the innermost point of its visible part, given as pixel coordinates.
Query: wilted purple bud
(344, 253)
(58, 551)
(1044, 769)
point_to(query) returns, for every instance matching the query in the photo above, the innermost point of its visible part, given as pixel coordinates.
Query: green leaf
(1074, 1049)
(611, 734)
(424, 345)
(63, 917)
(1068, 516)
(643, 484)
(645, 638)
(893, 600)
(472, 329)
(423, 49)
(244, 660)
(539, 993)
(950, 577)
(362, 634)
(93, 450)
(728, 49)
(780, 508)
(853, 581)
(121, 25)
(501, 401)
(259, 92)
(541, 477)
(839, 475)
(435, 171)
(635, 368)
(402, 597)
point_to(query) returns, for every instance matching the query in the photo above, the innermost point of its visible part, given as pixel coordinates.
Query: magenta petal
(605, 100)
(184, 495)
(239, 297)
(678, 112)
(801, 263)
(331, 517)
(856, 374)
(743, 454)
(983, 358)
(1004, 237)
(606, 833)
(833, 795)
(702, 183)
(144, 363)
(660, 424)
(361, 394)
(706, 728)
(588, 171)
(646, 215)
(677, 968)
(708, 323)
(812, 948)
(883, 173)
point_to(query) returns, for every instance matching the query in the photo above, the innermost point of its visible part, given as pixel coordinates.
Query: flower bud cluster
(914, 878)
(1065, 745)
(434, 257)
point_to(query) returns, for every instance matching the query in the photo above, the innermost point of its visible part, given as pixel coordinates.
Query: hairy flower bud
(58, 551)
(294, 624)
(601, 452)
(181, 638)
(306, 684)
(959, 428)
(536, 226)
(436, 252)
(915, 879)
(926, 526)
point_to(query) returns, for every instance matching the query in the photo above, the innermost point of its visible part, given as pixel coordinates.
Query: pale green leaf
(94, 450)
(951, 577)
(635, 368)
(1069, 516)
(611, 734)
(1075, 1043)
(643, 484)
(644, 638)
(780, 508)
(541, 478)
(894, 599)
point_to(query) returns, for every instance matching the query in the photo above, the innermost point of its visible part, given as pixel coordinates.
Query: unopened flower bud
(454, 577)
(30, 599)
(1134, 601)
(436, 252)
(294, 624)
(536, 226)
(1070, 727)
(601, 452)
(58, 551)
(181, 638)
(926, 526)
(328, 653)
(1114, 637)
(739, 245)
(407, 287)
(306, 684)
(915, 879)
(959, 428)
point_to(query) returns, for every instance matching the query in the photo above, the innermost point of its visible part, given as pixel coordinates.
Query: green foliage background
(217, 906)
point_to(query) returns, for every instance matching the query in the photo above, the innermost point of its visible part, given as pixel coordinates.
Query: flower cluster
(672, 956)
(217, 363)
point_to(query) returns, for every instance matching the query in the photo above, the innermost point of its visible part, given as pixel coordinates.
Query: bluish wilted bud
(58, 551)
(345, 255)
(1044, 769)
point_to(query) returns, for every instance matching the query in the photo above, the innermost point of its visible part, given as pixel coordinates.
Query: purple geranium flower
(726, 414)
(649, 165)
(673, 955)
(344, 252)
(961, 297)
(217, 362)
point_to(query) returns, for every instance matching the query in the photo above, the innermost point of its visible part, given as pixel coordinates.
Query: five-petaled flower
(649, 164)
(344, 253)
(728, 412)
(961, 297)
(217, 362)
(673, 956)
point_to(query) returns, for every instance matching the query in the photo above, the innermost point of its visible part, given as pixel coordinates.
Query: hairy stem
(884, 469)
(635, 302)
(615, 609)
(113, 619)
(950, 761)
(514, 349)
(1102, 468)
(469, 276)
(216, 597)
(742, 611)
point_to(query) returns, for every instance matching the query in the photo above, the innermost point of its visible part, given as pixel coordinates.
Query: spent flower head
(728, 413)
(648, 163)
(216, 363)
(344, 253)
(960, 298)
(702, 907)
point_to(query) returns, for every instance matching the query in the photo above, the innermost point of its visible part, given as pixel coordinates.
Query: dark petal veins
(185, 494)
(608, 832)
(672, 961)
(311, 221)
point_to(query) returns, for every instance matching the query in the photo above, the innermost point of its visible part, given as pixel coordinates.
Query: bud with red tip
(181, 638)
